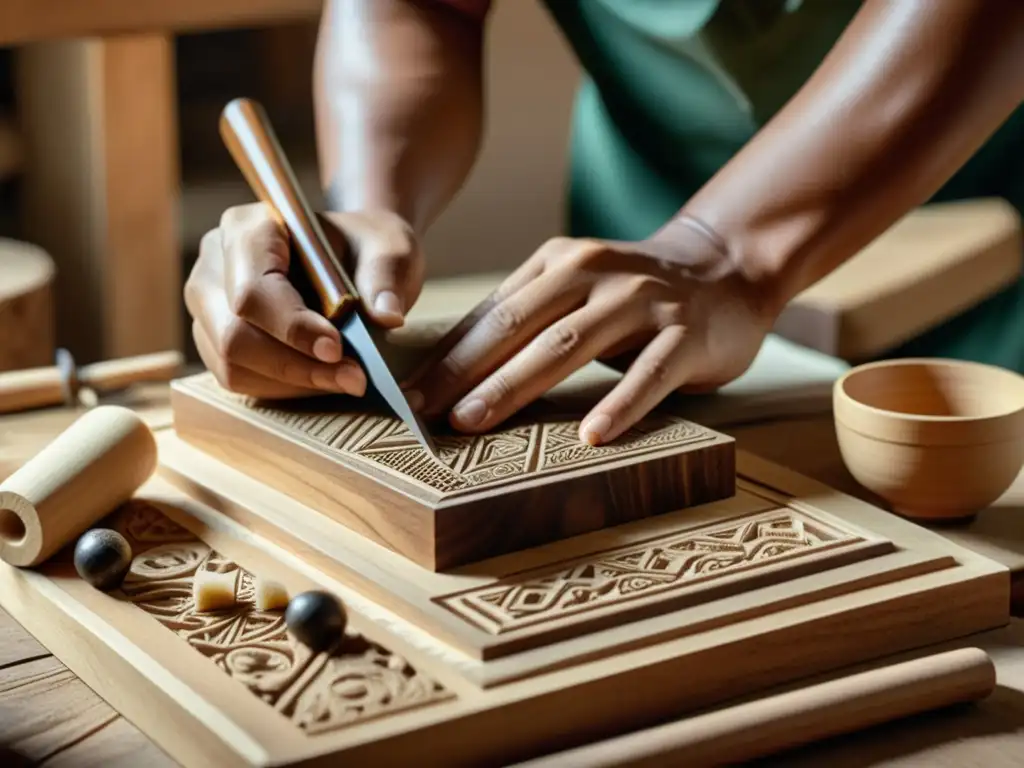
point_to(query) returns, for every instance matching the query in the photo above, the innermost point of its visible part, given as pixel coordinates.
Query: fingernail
(327, 349)
(327, 382)
(388, 303)
(595, 429)
(469, 413)
(415, 399)
(350, 376)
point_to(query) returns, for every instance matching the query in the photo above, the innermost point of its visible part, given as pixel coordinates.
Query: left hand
(679, 322)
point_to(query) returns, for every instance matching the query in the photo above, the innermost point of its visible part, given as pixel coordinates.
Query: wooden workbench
(48, 715)
(96, 88)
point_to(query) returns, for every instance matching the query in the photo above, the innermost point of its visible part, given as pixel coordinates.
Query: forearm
(399, 104)
(911, 90)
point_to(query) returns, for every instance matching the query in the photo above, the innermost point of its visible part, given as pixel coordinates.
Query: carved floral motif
(317, 692)
(669, 564)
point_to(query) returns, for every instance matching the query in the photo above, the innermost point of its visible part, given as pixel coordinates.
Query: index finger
(256, 261)
(440, 350)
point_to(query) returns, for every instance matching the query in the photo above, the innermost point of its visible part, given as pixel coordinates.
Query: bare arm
(399, 103)
(911, 90)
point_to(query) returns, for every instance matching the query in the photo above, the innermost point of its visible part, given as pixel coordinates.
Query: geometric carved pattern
(672, 563)
(517, 452)
(318, 692)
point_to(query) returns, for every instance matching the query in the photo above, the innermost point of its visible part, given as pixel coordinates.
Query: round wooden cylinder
(91, 468)
(26, 306)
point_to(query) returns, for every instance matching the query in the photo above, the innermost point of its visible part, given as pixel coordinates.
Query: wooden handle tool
(83, 475)
(769, 725)
(60, 383)
(245, 130)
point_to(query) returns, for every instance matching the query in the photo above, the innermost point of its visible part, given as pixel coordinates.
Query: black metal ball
(316, 619)
(102, 558)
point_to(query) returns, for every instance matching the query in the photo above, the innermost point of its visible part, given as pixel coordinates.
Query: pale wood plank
(31, 20)
(16, 645)
(44, 708)
(119, 744)
(101, 174)
(809, 447)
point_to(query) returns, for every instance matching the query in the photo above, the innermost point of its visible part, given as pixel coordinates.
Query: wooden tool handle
(763, 727)
(249, 137)
(30, 388)
(117, 374)
(52, 385)
(91, 468)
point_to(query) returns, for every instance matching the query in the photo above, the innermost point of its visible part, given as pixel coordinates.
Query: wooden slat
(102, 189)
(119, 744)
(33, 20)
(44, 709)
(16, 645)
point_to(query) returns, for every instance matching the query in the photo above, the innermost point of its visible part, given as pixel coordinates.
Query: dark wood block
(530, 483)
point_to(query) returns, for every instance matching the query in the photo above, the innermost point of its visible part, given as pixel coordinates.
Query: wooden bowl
(937, 439)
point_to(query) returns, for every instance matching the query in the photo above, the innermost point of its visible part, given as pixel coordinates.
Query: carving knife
(246, 130)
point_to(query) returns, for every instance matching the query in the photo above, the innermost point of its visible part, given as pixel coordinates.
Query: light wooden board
(936, 262)
(235, 690)
(647, 573)
(528, 483)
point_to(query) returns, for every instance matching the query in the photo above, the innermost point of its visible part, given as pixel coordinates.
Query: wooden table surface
(49, 717)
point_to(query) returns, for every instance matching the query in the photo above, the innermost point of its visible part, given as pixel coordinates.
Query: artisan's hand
(683, 325)
(251, 326)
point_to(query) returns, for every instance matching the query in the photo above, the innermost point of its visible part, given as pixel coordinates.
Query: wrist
(708, 254)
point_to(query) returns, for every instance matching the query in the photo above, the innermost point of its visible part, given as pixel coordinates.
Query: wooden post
(102, 189)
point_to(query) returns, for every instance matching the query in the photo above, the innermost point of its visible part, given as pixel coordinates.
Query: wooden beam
(23, 21)
(101, 189)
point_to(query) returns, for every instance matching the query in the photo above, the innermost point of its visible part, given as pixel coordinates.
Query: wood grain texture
(989, 734)
(755, 729)
(529, 483)
(24, 21)
(593, 594)
(101, 186)
(33, 737)
(27, 275)
(936, 262)
(146, 645)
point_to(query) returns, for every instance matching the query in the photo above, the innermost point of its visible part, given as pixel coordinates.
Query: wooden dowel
(39, 387)
(83, 475)
(769, 725)
(30, 388)
(111, 375)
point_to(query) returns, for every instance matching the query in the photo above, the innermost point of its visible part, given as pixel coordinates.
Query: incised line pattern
(644, 571)
(518, 452)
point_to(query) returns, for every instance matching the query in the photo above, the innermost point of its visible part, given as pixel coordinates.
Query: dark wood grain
(371, 478)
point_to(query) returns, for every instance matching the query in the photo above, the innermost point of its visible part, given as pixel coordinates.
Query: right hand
(251, 327)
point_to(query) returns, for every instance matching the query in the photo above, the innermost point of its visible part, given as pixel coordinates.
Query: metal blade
(361, 342)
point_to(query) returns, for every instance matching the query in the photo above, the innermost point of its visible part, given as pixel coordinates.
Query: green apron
(675, 88)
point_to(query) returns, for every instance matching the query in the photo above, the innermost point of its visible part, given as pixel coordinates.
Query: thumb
(389, 264)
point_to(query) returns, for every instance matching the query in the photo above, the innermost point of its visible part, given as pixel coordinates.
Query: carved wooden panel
(229, 688)
(316, 692)
(653, 575)
(527, 483)
(517, 453)
(652, 569)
